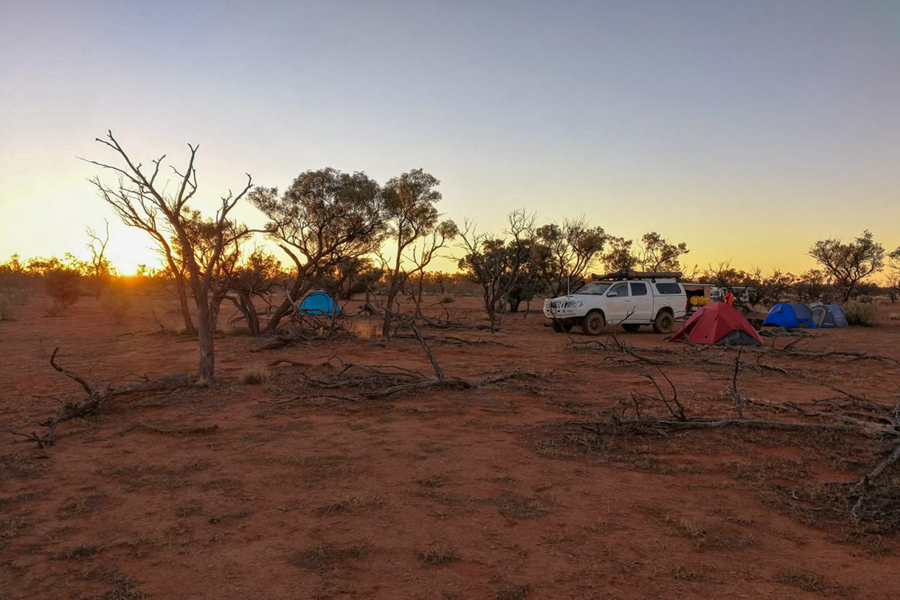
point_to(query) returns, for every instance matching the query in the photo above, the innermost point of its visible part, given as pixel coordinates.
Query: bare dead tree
(495, 263)
(133, 205)
(221, 267)
(424, 253)
(140, 202)
(98, 266)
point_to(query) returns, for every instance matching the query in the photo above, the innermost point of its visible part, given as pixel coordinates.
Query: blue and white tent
(829, 316)
(792, 315)
(319, 303)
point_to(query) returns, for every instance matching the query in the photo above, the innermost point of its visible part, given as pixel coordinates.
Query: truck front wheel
(663, 322)
(593, 323)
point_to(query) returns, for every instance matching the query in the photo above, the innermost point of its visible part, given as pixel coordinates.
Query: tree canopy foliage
(849, 263)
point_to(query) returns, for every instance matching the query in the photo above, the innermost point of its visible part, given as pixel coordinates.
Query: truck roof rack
(630, 274)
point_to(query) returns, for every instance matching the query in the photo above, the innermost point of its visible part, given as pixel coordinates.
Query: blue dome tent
(319, 303)
(829, 316)
(791, 315)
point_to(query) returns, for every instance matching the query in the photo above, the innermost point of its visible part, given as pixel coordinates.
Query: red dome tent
(720, 324)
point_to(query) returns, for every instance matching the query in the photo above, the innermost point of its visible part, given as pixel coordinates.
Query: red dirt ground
(495, 492)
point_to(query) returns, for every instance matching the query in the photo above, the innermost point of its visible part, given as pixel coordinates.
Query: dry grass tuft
(126, 589)
(325, 555)
(80, 506)
(254, 375)
(520, 508)
(438, 556)
(150, 476)
(190, 509)
(812, 582)
(352, 504)
(704, 537)
(19, 498)
(19, 465)
(514, 592)
(432, 481)
(80, 551)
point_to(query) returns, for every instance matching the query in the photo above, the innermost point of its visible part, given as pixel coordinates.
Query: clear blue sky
(747, 129)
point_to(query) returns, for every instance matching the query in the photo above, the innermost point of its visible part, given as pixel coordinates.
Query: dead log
(96, 398)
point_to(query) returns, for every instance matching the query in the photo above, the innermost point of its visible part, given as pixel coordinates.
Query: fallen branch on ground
(655, 424)
(375, 381)
(171, 431)
(96, 398)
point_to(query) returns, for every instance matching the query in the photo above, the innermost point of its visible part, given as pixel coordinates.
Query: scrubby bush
(861, 313)
(6, 307)
(63, 287)
(448, 299)
(117, 303)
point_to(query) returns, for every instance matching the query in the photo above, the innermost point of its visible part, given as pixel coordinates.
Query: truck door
(618, 303)
(641, 303)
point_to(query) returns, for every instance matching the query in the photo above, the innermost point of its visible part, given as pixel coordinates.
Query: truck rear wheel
(664, 322)
(593, 323)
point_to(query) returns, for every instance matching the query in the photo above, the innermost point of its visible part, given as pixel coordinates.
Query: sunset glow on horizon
(747, 130)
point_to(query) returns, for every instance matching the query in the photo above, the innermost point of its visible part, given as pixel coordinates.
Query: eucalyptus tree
(324, 217)
(409, 207)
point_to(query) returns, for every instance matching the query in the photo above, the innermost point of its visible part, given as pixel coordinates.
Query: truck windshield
(593, 288)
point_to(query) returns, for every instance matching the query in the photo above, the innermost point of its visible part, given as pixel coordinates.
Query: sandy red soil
(502, 491)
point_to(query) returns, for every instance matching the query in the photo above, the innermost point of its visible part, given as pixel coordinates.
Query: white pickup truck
(631, 301)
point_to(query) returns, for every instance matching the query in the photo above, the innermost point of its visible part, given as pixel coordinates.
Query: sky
(748, 130)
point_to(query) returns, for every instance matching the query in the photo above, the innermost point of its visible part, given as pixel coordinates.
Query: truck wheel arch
(661, 324)
(667, 309)
(586, 320)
